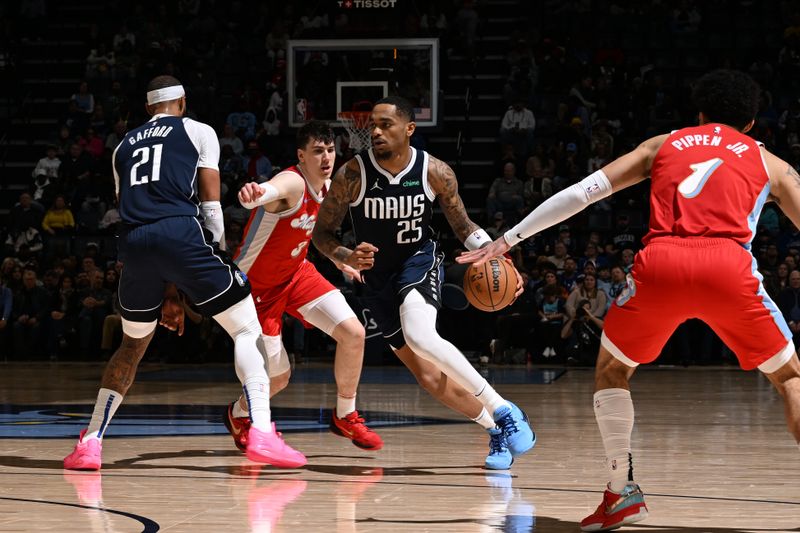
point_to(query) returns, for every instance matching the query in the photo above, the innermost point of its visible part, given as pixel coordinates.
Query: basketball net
(357, 125)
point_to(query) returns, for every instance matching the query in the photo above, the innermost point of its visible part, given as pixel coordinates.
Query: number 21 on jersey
(144, 158)
(693, 185)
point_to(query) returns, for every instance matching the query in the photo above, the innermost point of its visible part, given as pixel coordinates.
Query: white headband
(165, 95)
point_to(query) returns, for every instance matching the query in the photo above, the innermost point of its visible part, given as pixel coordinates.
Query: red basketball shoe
(238, 427)
(617, 510)
(353, 427)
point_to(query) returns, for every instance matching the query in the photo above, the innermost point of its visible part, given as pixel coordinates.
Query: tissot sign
(360, 4)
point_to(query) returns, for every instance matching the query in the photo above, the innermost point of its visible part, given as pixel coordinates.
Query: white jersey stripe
(257, 236)
(259, 233)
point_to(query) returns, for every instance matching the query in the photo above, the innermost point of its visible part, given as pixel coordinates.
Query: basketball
(490, 286)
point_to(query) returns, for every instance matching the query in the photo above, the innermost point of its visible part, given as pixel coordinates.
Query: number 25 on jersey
(151, 165)
(693, 185)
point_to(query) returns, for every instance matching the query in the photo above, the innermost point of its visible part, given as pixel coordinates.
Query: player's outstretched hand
(250, 193)
(172, 314)
(350, 272)
(363, 257)
(481, 255)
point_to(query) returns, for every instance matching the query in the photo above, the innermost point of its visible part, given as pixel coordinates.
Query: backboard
(325, 77)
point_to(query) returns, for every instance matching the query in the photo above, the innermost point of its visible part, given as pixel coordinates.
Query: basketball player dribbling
(389, 191)
(708, 186)
(166, 175)
(273, 255)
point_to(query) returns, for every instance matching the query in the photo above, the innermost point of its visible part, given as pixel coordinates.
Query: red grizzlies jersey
(707, 181)
(275, 244)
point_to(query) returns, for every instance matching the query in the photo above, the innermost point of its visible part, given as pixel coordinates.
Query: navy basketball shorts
(383, 292)
(175, 250)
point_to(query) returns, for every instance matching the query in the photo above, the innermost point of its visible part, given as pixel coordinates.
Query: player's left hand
(481, 255)
(520, 288)
(173, 314)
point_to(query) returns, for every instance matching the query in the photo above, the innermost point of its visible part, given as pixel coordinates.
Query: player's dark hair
(314, 130)
(403, 106)
(161, 82)
(727, 96)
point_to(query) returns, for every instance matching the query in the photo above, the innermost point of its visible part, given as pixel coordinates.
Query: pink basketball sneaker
(86, 455)
(269, 448)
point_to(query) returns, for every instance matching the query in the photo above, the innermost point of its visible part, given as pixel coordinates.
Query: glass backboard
(325, 77)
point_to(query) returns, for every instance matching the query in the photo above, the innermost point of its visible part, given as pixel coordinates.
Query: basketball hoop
(357, 125)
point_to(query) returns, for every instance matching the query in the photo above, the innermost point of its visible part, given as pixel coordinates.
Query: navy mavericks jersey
(155, 168)
(393, 212)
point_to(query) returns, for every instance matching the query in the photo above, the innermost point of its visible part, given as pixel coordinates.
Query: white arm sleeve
(205, 140)
(561, 206)
(270, 195)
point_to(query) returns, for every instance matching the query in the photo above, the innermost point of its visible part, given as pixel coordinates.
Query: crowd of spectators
(574, 103)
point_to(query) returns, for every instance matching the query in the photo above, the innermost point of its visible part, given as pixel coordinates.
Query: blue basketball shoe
(514, 424)
(499, 457)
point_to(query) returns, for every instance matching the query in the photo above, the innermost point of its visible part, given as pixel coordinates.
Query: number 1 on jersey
(692, 185)
(155, 172)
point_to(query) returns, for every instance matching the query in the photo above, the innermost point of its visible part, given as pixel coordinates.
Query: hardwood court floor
(712, 455)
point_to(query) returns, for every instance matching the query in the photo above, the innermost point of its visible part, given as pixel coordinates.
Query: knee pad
(418, 319)
(274, 353)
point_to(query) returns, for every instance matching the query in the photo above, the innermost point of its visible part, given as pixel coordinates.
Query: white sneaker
(552, 352)
(546, 352)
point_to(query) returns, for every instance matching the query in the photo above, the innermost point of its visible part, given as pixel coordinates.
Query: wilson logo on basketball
(495, 276)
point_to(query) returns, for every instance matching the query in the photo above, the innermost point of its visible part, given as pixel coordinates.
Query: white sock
(491, 400)
(256, 390)
(104, 408)
(484, 419)
(344, 406)
(613, 409)
(238, 411)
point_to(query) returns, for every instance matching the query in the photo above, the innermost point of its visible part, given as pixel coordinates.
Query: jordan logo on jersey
(376, 186)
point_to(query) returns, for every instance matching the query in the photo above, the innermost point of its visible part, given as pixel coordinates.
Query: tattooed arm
(345, 188)
(784, 186)
(443, 182)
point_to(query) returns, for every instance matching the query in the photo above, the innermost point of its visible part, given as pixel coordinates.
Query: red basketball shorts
(306, 285)
(675, 279)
